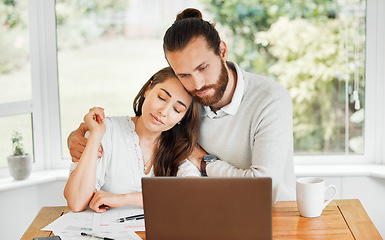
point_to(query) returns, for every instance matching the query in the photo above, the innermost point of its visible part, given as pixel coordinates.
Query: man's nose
(199, 82)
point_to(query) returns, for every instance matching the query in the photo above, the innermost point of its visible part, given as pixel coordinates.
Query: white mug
(311, 196)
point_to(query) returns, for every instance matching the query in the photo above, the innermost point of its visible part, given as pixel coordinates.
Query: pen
(134, 217)
(90, 235)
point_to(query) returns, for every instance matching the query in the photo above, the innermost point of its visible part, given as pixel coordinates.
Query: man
(246, 125)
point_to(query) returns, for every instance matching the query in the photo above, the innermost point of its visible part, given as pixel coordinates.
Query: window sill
(368, 170)
(35, 178)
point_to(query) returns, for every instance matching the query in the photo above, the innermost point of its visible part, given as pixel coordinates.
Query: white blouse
(120, 169)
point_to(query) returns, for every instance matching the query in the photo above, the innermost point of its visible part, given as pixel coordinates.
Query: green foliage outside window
(302, 45)
(75, 22)
(13, 17)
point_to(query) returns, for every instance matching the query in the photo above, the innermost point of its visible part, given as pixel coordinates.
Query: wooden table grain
(341, 219)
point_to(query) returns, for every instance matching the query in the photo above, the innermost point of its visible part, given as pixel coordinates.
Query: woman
(155, 142)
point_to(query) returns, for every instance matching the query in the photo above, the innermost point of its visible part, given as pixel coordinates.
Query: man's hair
(190, 25)
(175, 144)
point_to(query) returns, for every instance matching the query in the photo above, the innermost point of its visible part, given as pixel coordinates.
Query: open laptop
(207, 208)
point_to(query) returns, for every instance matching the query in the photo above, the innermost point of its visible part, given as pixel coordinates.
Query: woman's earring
(178, 123)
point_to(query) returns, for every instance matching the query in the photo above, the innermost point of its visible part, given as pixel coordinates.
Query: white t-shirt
(120, 169)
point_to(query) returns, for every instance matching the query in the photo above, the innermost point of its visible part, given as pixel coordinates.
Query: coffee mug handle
(332, 197)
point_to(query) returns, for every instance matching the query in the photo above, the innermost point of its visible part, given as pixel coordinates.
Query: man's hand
(197, 155)
(76, 143)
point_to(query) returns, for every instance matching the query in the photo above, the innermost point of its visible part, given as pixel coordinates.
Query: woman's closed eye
(176, 110)
(163, 98)
(180, 107)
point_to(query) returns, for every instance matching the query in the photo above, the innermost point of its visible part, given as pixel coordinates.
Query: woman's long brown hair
(177, 143)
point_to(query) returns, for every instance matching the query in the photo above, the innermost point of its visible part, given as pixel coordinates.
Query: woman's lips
(157, 120)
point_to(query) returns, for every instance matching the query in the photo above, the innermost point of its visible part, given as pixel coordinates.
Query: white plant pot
(20, 166)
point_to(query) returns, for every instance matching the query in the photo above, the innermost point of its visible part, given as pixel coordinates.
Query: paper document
(71, 225)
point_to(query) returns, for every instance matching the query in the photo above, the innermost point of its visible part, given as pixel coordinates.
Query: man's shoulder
(258, 86)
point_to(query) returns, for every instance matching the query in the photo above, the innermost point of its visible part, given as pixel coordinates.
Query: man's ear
(223, 50)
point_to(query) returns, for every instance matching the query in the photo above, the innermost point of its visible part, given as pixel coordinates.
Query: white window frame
(374, 128)
(45, 91)
(12, 109)
(374, 92)
(44, 104)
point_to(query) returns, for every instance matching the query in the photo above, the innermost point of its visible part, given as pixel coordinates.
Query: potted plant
(20, 163)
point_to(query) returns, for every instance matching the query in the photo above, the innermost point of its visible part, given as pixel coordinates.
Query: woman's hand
(102, 199)
(94, 121)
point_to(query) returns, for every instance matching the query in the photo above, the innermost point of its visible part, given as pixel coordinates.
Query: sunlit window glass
(106, 51)
(316, 50)
(15, 76)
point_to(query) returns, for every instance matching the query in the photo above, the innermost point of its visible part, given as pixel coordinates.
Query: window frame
(45, 89)
(374, 132)
(12, 109)
(375, 62)
(44, 104)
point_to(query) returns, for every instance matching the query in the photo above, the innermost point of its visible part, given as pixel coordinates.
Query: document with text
(71, 225)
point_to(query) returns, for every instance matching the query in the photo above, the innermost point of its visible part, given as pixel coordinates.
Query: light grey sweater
(258, 140)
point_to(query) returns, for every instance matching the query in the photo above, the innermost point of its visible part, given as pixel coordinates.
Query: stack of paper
(71, 225)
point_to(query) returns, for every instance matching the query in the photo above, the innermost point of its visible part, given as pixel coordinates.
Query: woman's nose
(163, 110)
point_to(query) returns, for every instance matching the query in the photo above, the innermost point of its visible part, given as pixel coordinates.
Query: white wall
(20, 206)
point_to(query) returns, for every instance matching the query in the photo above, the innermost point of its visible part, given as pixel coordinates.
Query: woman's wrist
(133, 199)
(95, 136)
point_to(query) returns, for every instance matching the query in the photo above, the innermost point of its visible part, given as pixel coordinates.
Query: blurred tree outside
(304, 45)
(13, 18)
(75, 21)
(82, 21)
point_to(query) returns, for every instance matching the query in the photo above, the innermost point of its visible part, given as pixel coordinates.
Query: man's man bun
(188, 25)
(188, 13)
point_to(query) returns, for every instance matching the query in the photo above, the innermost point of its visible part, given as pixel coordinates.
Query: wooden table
(341, 219)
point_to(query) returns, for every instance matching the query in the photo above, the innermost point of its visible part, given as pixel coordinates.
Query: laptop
(207, 208)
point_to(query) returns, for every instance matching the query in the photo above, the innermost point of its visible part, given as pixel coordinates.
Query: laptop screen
(207, 208)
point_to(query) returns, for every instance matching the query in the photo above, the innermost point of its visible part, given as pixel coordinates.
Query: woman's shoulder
(122, 122)
(118, 119)
(188, 169)
(117, 128)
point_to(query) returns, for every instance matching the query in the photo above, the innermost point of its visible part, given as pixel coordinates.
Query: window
(28, 81)
(102, 55)
(321, 62)
(107, 50)
(316, 50)
(15, 78)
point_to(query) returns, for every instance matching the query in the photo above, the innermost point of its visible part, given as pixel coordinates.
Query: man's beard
(219, 89)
